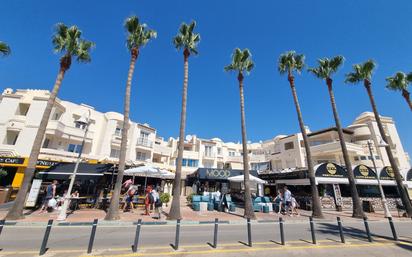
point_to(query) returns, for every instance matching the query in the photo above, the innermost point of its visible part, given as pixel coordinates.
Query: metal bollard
(342, 237)
(395, 236)
(43, 247)
(92, 235)
(215, 233)
(368, 232)
(2, 222)
(176, 246)
(282, 234)
(136, 238)
(312, 230)
(249, 233)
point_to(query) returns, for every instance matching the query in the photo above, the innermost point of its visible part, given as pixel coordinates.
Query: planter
(5, 194)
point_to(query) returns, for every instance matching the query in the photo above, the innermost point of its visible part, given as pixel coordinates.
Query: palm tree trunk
(113, 212)
(316, 205)
(399, 181)
(357, 207)
(174, 212)
(249, 211)
(406, 95)
(16, 211)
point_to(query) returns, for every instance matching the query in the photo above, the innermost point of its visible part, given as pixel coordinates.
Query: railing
(144, 142)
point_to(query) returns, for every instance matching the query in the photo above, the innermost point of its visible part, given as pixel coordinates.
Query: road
(111, 240)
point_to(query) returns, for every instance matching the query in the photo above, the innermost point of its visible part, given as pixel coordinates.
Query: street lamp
(383, 198)
(83, 122)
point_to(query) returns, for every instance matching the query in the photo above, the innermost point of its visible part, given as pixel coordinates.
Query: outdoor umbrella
(149, 171)
(241, 178)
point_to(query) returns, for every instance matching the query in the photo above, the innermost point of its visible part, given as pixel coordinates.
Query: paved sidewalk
(188, 215)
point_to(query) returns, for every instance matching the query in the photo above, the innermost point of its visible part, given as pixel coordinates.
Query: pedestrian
(50, 194)
(157, 203)
(295, 206)
(148, 200)
(288, 200)
(129, 199)
(278, 200)
(127, 184)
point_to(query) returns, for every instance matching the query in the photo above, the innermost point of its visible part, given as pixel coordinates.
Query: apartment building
(21, 112)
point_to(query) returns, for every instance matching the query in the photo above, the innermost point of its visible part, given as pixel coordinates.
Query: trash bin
(5, 194)
(210, 206)
(367, 206)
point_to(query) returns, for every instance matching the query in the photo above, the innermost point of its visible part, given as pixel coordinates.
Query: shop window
(289, 145)
(114, 153)
(74, 148)
(11, 137)
(22, 109)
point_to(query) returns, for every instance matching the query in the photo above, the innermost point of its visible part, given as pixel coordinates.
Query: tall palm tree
(289, 63)
(363, 73)
(137, 36)
(400, 82)
(242, 63)
(68, 42)
(327, 67)
(187, 40)
(4, 49)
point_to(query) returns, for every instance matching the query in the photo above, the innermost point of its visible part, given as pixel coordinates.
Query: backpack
(151, 199)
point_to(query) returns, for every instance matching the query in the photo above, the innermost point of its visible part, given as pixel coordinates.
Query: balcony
(141, 141)
(335, 148)
(235, 159)
(57, 128)
(209, 156)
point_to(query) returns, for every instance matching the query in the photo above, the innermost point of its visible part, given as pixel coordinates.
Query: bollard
(395, 236)
(215, 233)
(176, 246)
(136, 238)
(2, 222)
(282, 234)
(368, 232)
(249, 233)
(342, 238)
(91, 241)
(312, 230)
(43, 247)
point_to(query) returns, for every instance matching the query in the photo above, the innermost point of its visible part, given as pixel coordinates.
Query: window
(11, 137)
(74, 148)
(46, 143)
(369, 157)
(140, 156)
(208, 150)
(190, 163)
(114, 153)
(56, 115)
(79, 125)
(232, 153)
(144, 134)
(356, 158)
(363, 158)
(118, 132)
(289, 145)
(22, 109)
(377, 157)
(302, 144)
(219, 151)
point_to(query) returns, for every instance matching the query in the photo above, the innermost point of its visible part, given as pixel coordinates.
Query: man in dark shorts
(50, 194)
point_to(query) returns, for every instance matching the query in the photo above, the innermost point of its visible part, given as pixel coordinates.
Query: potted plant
(3, 173)
(165, 198)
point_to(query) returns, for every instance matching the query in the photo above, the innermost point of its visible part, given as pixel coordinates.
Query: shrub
(165, 197)
(3, 173)
(190, 197)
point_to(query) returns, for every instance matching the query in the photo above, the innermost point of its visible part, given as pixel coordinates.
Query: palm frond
(186, 38)
(138, 35)
(398, 82)
(241, 61)
(4, 49)
(291, 62)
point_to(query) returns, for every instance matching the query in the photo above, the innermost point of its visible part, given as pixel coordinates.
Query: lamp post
(83, 122)
(383, 198)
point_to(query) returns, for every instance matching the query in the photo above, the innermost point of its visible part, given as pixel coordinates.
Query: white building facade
(22, 110)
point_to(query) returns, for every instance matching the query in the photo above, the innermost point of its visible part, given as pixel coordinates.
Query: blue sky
(358, 30)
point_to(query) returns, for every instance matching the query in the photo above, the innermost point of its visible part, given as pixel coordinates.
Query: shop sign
(46, 163)
(364, 172)
(11, 160)
(217, 173)
(337, 195)
(330, 170)
(387, 173)
(34, 193)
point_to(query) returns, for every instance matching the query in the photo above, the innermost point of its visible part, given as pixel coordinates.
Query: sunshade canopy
(65, 170)
(241, 178)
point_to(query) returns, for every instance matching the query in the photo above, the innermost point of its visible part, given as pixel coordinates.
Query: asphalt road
(27, 240)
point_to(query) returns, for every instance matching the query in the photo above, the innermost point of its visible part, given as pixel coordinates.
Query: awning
(330, 170)
(217, 174)
(85, 171)
(241, 178)
(363, 172)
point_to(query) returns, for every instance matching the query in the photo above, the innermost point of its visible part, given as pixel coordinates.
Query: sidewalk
(188, 216)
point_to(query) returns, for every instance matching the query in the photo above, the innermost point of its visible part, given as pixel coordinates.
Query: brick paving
(188, 215)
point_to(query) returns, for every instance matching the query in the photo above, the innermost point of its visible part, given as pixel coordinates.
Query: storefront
(211, 180)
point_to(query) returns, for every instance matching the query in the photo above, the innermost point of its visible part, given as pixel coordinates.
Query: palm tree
(400, 82)
(289, 63)
(324, 71)
(241, 63)
(137, 36)
(4, 49)
(363, 73)
(187, 40)
(68, 42)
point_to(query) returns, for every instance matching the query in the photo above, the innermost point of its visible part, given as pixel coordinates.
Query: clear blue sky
(359, 30)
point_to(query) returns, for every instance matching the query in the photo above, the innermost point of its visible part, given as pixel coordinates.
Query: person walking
(278, 200)
(148, 200)
(288, 200)
(50, 194)
(157, 203)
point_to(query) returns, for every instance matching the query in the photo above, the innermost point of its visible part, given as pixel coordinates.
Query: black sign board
(330, 170)
(218, 174)
(364, 172)
(11, 160)
(387, 173)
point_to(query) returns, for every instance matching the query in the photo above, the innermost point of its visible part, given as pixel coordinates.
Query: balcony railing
(144, 142)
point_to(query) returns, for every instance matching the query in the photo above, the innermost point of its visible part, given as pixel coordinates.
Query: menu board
(34, 193)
